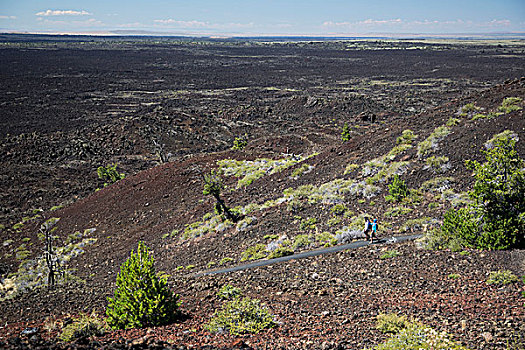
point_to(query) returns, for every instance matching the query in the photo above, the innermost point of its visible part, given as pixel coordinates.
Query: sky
(268, 17)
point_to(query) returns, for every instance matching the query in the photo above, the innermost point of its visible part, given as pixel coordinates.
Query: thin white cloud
(172, 23)
(499, 23)
(415, 25)
(187, 24)
(62, 13)
(366, 22)
(7, 17)
(132, 25)
(87, 23)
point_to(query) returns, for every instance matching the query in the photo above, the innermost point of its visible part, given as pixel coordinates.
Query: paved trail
(338, 248)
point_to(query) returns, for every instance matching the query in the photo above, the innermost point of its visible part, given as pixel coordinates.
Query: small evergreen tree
(499, 195)
(496, 218)
(142, 298)
(345, 134)
(398, 189)
(213, 186)
(109, 174)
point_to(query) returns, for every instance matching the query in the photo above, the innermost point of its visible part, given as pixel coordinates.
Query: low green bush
(391, 323)
(255, 252)
(301, 170)
(301, 241)
(510, 104)
(239, 143)
(338, 209)
(502, 277)
(390, 254)
(430, 143)
(407, 136)
(469, 108)
(142, 297)
(280, 252)
(308, 224)
(84, 326)
(345, 134)
(462, 225)
(326, 238)
(419, 337)
(453, 121)
(228, 292)
(241, 316)
(436, 163)
(109, 174)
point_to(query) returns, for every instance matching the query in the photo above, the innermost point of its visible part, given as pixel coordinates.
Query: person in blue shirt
(374, 231)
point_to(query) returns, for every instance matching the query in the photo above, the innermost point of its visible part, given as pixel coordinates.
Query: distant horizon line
(145, 33)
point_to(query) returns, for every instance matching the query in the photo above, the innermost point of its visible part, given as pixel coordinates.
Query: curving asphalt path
(328, 250)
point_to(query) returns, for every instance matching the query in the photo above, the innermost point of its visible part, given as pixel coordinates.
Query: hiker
(374, 231)
(368, 227)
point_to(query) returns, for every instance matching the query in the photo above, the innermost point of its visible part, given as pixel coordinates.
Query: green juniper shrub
(308, 224)
(462, 225)
(502, 277)
(280, 252)
(416, 337)
(453, 276)
(326, 238)
(407, 136)
(228, 292)
(496, 215)
(498, 194)
(510, 104)
(398, 189)
(241, 316)
(142, 297)
(345, 134)
(240, 143)
(84, 326)
(301, 241)
(255, 252)
(109, 174)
